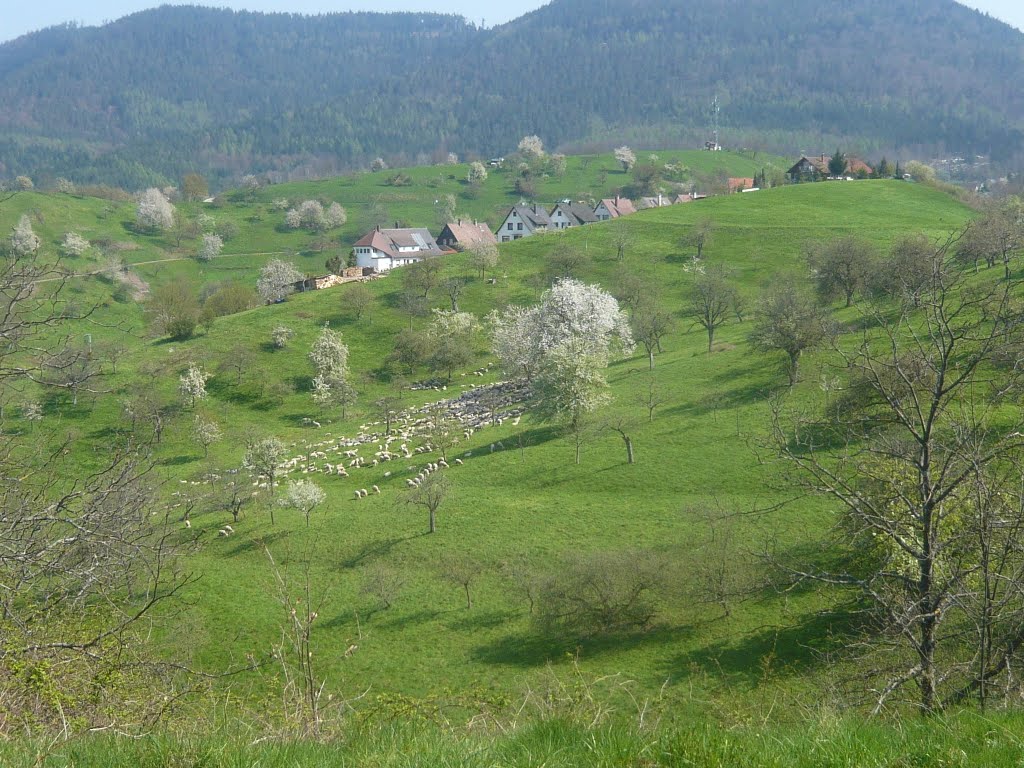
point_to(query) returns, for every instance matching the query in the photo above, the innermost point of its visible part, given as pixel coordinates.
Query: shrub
(602, 593)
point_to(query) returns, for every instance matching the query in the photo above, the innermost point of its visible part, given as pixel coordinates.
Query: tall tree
(926, 467)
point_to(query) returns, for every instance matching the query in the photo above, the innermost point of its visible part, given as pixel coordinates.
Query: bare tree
(623, 240)
(430, 495)
(790, 322)
(699, 237)
(841, 267)
(624, 427)
(925, 469)
(462, 571)
(650, 325)
(454, 287)
(650, 396)
(710, 301)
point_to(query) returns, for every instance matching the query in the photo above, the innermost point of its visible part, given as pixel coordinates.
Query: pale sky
(21, 17)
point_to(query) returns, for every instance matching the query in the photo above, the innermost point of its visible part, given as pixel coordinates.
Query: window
(504, 238)
(510, 225)
(519, 226)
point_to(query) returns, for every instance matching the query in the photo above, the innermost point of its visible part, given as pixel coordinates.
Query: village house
(523, 221)
(816, 168)
(565, 215)
(613, 209)
(384, 249)
(463, 234)
(740, 184)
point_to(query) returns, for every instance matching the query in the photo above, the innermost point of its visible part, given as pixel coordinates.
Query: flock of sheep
(410, 436)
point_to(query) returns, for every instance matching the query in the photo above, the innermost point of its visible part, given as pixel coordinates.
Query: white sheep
(376, 489)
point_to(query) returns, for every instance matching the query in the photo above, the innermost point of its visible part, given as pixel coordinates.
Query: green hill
(518, 497)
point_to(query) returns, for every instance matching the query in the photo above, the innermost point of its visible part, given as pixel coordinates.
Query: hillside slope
(518, 496)
(144, 99)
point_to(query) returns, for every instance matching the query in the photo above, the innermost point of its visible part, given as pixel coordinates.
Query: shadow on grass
(535, 648)
(258, 544)
(177, 461)
(473, 619)
(375, 549)
(409, 619)
(232, 392)
(773, 651)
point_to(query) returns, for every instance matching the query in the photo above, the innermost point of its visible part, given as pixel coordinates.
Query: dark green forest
(157, 94)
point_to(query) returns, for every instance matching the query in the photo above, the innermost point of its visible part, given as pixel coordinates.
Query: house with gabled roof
(814, 168)
(384, 249)
(522, 221)
(614, 208)
(565, 215)
(463, 233)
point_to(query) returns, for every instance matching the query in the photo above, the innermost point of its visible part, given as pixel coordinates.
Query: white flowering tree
(335, 216)
(483, 256)
(329, 357)
(308, 215)
(277, 279)
(562, 346)
(154, 211)
(74, 244)
(211, 247)
(378, 164)
(192, 384)
(262, 458)
(626, 158)
(24, 241)
(477, 173)
(280, 336)
(303, 495)
(569, 311)
(531, 147)
(206, 432)
(570, 387)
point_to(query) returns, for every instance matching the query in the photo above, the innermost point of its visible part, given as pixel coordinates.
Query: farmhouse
(565, 215)
(464, 234)
(383, 249)
(613, 209)
(740, 184)
(815, 168)
(523, 221)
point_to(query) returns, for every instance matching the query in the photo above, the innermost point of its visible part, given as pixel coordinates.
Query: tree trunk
(711, 338)
(629, 449)
(650, 356)
(469, 600)
(433, 521)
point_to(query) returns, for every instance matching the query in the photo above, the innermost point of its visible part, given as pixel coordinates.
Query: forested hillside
(146, 98)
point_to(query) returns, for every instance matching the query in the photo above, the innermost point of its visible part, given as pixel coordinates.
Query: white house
(523, 221)
(613, 208)
(383, 249)
(565, 215)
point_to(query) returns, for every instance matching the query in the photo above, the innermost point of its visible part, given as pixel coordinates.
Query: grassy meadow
(702, 495)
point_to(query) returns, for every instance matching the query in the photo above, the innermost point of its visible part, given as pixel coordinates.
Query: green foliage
(95, 94)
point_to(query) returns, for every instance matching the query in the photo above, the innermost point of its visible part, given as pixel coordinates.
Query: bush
(182, 327)
(602, 593)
